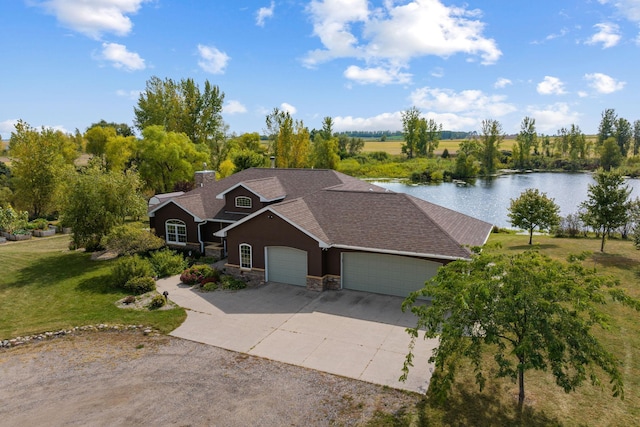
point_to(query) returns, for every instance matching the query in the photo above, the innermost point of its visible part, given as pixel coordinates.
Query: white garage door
(286, 265)
(385, 274)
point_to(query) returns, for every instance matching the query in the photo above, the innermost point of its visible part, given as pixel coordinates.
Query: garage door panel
(287, 265)
(385, 274)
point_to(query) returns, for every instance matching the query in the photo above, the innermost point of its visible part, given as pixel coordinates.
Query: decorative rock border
(14, 342)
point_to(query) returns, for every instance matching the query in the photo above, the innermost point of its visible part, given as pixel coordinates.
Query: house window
(245, 256)
(243, 202)
(176, 232)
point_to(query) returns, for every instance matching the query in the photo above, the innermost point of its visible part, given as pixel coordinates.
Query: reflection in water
(489, 199)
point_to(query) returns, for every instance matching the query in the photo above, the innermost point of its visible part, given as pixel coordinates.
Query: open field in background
(46, 287)
(395, 147)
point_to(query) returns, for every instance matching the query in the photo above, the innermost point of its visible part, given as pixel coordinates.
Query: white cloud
(288, 108)
(552, 117)
(603, 83)
(377, 75)
(212, 60)
(131, 94)
(582, 94)
(234, 107)
(629, 9)
(7, 126)
(551, 86)
(120, 57)
(390, 36)
(437, 72)
(389, 121)
(608, 35)
(96, 17)
(264, 13)
(501, 83)
(469, 103)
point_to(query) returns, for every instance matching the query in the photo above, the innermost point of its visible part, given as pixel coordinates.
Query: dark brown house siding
(172, 211)
(268, 229)
(230, 201)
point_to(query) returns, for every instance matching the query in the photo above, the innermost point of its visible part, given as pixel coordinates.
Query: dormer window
(243, 202)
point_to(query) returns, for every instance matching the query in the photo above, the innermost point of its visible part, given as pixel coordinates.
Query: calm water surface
(489, 199)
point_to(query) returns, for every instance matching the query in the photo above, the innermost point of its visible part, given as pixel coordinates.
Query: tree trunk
(530, 235)
(521, 386)
(604, 235)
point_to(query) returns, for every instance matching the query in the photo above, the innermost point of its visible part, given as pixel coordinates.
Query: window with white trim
(176, 232)
(243, 202)
(245, 255)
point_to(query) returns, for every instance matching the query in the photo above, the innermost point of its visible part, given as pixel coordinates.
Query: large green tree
(607, 126)
(623, 135)
(290, 140)
(411, 124)
(528, 311)
(526, 140)
(490, 140)
(182, 107)
(610, 156)
(607, 205)
(39, 161)
(636, 137)
(428, 137)
(534, 210)
(96, 201)
(167, 158)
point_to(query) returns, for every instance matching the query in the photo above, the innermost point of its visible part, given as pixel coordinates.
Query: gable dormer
(250, 196)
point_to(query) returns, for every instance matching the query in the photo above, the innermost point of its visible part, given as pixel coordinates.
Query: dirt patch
(118, 378)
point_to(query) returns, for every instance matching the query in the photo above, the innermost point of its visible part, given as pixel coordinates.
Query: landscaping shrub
(127, 268)
(39, 224)
(156, 302)
(166, 262)
(210, 286)
(129, 239)
(199, 274)
(231, 283)
(140, 285)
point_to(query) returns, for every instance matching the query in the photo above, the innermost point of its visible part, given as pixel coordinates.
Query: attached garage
(286, 265)
(385, 274)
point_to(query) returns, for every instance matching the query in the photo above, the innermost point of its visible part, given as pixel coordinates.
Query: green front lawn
(46, 287)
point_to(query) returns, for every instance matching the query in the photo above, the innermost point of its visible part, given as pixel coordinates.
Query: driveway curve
(354, 334)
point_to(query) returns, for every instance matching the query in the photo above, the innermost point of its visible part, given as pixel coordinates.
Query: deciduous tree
(623, 135)
(607, 127)
(166, 158)
(490, 141)
(410, 130)
(526, 140)
(607, 203)
(534, 210)
(39, 160)
(526, 310)
(610, 156)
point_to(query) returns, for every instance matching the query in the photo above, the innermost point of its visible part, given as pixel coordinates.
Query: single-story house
(316, 228)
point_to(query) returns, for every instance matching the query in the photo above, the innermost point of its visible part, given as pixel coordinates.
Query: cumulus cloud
(264, 13)
(608, 35)
(288, 108)
(629, 9)
(377, 75)
(234, 107)
(94, 18)
(551, 86)
(501, 83)
(120, 57)
(391, 121)
(212, 60)
(474, 103)
(552, 117)
(390, 36)
(603, 83)
(7, 126)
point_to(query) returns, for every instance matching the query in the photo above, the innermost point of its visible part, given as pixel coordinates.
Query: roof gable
(268, 189)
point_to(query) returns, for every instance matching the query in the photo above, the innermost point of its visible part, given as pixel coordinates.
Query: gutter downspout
(200, 237)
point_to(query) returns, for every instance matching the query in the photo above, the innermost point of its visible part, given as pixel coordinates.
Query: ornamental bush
(156, 302)
(140, 285)
(127, 268)
(199, 274)
(166, 262)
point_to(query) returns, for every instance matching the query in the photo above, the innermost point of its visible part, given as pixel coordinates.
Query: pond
(489, 199)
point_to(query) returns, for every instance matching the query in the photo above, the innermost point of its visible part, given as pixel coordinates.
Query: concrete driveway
(353, 334)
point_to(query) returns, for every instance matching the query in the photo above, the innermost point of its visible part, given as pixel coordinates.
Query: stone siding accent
(325, 283)
(253, 278)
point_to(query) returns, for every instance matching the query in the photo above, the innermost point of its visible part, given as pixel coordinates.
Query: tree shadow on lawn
(101, 284)
(52, 270)
(533, 246)
(474, 408)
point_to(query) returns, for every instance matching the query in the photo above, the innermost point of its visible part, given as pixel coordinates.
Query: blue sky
(69, 63)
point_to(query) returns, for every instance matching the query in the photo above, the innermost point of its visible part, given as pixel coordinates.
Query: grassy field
(46, 287)
(395, 147)
(546, 403)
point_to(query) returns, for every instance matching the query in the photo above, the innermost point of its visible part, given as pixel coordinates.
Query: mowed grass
(46, 287)
(546, 403)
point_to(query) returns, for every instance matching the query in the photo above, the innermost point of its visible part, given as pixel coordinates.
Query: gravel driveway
(118, 378)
